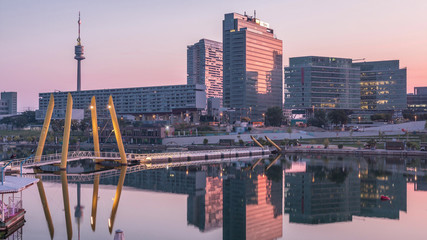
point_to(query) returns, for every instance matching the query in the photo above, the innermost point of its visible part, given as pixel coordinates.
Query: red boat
(385, 198)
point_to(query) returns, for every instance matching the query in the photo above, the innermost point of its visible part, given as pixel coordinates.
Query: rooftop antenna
(79, 22)
(254, 13)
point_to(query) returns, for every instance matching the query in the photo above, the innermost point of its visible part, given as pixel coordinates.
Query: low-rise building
(171, 103)
(144, 134)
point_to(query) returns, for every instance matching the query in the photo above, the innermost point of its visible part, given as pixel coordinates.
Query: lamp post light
(415, 118)
(263, 117)
(359, 119)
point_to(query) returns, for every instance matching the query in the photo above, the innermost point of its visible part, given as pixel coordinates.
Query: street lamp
(263, 117)
(359, 119)
(415, 118)
(220, 117)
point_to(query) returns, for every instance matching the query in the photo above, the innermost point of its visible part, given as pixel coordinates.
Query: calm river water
(298, 197)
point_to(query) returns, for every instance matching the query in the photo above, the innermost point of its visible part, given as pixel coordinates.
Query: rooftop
(16, 184)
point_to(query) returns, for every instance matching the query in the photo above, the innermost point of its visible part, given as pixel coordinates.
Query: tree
(21, 120)
(274, 116)
(371, 143)
(205, 141)
(57, 125)
(386, 117)
(289, 130)
(84, 124)
(381, 135)
(319, 119)
(338, 116)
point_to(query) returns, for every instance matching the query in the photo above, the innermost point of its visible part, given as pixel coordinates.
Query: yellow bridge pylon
(67, 127)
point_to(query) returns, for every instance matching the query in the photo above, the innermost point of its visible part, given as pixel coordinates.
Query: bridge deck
(151, 157)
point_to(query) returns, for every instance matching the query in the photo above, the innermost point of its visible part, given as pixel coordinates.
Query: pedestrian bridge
(167, 157)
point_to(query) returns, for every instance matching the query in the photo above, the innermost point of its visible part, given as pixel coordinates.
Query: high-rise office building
(8, 103)
(252, 67)
(322, 83)
(204, 66)
(383, 85)
(417, 102)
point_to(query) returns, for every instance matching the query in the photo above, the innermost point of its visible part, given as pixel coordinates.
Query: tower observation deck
(79, 51)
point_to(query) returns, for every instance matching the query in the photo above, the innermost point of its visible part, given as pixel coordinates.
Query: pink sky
(143, 43)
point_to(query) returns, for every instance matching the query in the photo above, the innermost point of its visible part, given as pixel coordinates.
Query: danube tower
(78, 50)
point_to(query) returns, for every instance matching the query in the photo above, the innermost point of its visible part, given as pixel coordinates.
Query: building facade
(383, 85)
(252, 67)
(417, 102)
(144, 134)
(8, 103)
(204, 66)
(322, 83)
(148, 103)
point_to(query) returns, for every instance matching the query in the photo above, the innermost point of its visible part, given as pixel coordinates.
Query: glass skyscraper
(383, 85)
(204, 66)
(322, 83)
(252, 67)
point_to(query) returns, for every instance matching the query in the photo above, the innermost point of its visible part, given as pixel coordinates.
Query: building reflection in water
(377, 183)
(202, 184)
(337, 190)
(246, 198)
(253, 203)
(247, 204)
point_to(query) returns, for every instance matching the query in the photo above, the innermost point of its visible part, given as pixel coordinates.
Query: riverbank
(354, 152)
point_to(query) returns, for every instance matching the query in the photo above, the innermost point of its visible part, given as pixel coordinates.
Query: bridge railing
(31, 161)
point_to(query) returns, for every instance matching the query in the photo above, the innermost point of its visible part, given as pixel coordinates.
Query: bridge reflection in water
(248, 198)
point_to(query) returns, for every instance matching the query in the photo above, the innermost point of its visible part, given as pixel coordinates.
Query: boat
(385, 198)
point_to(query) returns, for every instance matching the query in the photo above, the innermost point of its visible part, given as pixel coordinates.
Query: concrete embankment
(355, 152)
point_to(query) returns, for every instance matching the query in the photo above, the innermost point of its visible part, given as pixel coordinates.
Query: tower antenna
(254, 13)
(79, 56)
(78, 39)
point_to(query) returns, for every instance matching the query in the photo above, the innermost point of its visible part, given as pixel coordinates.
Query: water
(299, 197)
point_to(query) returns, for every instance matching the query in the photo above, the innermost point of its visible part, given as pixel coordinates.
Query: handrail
(22, 162)
(2, 171)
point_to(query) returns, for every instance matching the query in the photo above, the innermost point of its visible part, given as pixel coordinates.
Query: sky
(137, 43)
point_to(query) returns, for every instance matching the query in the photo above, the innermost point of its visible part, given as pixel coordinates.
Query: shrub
(326, 143)
(340, 146)
(412, 145)
(284, 142)
(205, 141)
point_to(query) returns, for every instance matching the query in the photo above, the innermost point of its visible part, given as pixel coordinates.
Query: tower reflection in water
(78, 210)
